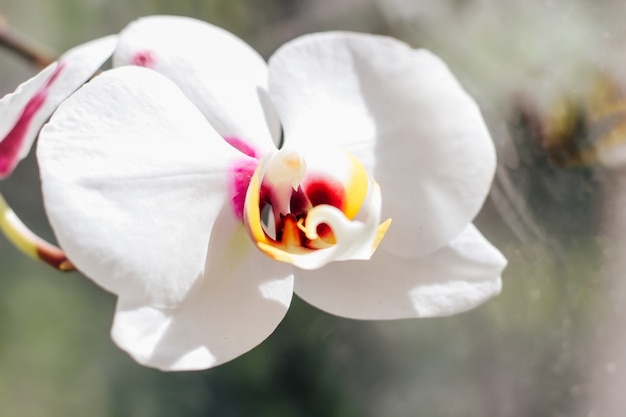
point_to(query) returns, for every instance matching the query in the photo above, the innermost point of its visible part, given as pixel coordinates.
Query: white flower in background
(23, 113)
(165, 186)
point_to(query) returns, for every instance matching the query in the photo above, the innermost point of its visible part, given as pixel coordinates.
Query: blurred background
(548, 75)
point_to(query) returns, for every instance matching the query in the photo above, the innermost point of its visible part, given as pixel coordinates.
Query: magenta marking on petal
(242, 146)
(240, 175)
(145, 58)
(11, 145)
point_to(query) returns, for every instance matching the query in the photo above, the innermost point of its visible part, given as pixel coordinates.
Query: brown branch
(22, 47)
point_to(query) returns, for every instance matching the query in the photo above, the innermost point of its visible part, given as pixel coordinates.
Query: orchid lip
(305, 217)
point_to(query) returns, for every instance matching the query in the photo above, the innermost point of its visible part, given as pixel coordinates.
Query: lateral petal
(133, 179)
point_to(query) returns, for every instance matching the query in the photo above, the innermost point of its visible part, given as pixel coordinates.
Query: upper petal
(23, 112)
(133, 179)
(238, 302)
(456, 278)
(403, 115)
(223, 76)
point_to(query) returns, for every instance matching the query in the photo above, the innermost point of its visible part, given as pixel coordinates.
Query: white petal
(403, 115)
(221, 74)
(23, 112)
(238, 303)
(133, 179)
(453, 279)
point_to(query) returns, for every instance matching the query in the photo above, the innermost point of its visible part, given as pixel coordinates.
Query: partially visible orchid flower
(23, 113)
(165, 185)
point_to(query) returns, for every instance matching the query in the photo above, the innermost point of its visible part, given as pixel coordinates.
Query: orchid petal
(23, 113)
(221, 75)
(133, 179)
(403, 115)
(456, 278)
(240, 300)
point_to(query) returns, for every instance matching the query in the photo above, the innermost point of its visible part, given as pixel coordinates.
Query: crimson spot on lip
(312, 192)
(12, 144)
(324, 190)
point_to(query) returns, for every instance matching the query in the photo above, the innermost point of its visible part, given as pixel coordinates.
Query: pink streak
(242, 146)
(13, 142)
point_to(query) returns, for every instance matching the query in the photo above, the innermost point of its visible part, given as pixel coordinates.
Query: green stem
(28, 242)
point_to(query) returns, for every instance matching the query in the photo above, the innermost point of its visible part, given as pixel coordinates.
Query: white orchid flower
(24, 112)
(166, 187)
